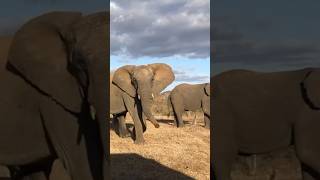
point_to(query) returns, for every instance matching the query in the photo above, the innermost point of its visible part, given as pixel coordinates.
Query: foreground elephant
(5, 43)
(190, 97)
(133, 89)
(55, 71)
(261, 112)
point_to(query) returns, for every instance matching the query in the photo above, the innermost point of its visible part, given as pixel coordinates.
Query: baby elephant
(190, 97)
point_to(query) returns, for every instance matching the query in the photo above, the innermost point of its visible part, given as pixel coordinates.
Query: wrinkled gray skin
(262, 112)
(54, 71)
(190, 97)
(132, 90)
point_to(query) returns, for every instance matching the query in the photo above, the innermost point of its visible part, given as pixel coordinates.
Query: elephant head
(64, 55)
(145, 81)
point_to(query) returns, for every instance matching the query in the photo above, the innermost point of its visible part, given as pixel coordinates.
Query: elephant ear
(312, 89)
(122, 78)
(40, 53)
(163, 76)
(207, 88)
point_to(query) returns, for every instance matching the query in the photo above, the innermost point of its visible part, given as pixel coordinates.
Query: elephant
(260, 112)
(52, 76)
(132, 90)
(190, 97)
(5, 43)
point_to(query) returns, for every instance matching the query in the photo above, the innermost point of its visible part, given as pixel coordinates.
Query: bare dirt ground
(169, 153)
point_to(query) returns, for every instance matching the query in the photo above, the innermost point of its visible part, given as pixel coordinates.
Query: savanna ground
(172, 153)
(184, 153)
(169, 152)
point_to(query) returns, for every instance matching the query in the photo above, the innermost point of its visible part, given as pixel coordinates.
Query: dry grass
(169, 153)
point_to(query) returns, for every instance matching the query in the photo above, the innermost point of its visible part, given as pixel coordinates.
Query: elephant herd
(134, 88)
(54, 97)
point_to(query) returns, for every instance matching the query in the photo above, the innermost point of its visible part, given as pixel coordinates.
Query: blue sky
(176, 32)
(267, 36)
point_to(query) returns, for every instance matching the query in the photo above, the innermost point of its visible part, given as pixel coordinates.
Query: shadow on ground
(171, 121)
(138, 167)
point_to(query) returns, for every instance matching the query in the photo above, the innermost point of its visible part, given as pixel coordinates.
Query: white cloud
(160, 28)
(188, 77)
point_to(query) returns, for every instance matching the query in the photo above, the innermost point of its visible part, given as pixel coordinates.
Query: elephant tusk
(152, 95)
(139, 97)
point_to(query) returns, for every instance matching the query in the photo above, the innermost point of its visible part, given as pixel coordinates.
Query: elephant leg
(308, 149)
(178, 117)
(144, 118)
(205, 103)
(178, 111)
(223, 142)
(206, 121)
(133, 110)
(75, 139)
(123, 131)
(175, 120)
(180, 122)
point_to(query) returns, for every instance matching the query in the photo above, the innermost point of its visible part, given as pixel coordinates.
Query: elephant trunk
(146, 98)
